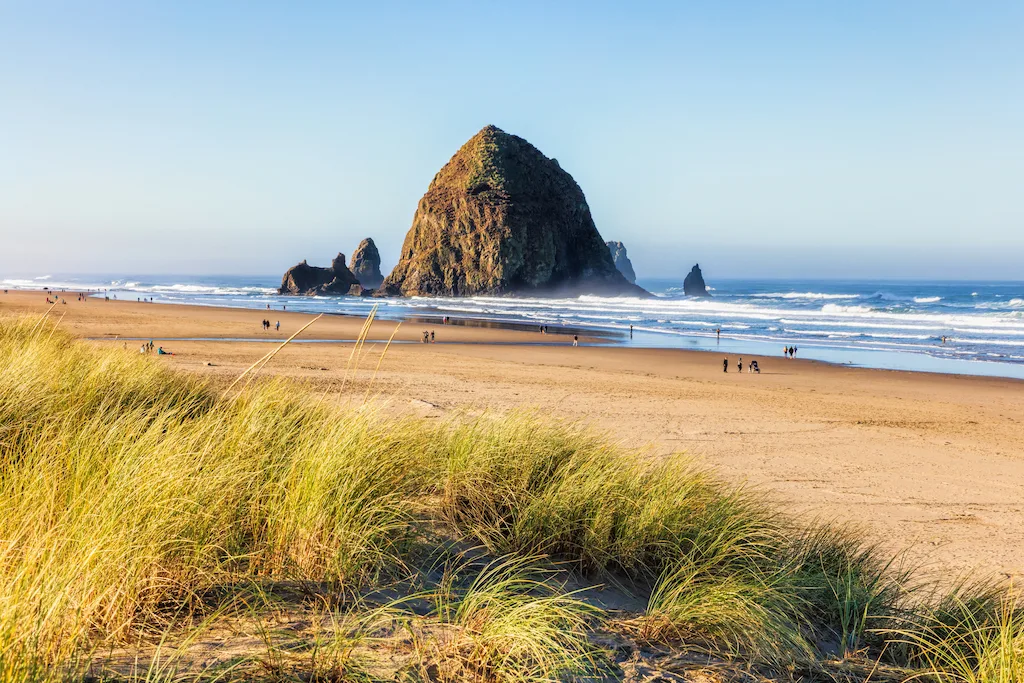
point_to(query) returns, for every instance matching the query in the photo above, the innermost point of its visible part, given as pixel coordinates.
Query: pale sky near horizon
(790, 139)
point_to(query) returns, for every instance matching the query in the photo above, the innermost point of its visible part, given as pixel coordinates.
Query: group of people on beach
(428, 336)
(149, 346)
(266, 326)
(752, 367)
(789, 351)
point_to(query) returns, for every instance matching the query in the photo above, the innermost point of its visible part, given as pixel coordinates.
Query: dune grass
(134, 498)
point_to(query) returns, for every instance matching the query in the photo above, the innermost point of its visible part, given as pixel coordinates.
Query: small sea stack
(365, 264)
(304, 279)
(694, 284)
(621, 260)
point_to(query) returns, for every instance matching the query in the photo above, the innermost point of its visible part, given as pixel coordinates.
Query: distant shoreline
(894, 326)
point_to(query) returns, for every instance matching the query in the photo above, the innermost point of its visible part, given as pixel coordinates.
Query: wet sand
(933, 464)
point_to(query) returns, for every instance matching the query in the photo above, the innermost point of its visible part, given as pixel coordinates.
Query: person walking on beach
(630, 331)
(719, 333)
(575, 340)
(277, 326)
(739, 366)
(431, 336)
(725, 365)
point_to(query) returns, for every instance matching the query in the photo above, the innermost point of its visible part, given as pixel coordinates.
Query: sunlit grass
(137, 501)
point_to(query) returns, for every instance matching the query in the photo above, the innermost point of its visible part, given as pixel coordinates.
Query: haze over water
(894, 324)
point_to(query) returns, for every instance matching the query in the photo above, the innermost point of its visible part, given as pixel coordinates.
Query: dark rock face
(312, 280)
(359, 290)
(365, 264)
(621, 260)
(501, 218)
(694, 285)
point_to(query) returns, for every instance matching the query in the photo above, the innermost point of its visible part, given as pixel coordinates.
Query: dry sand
(933, 464)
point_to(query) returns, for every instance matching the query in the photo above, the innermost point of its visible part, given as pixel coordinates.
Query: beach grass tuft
(139, 502)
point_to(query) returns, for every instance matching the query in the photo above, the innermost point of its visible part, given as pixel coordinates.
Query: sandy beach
(933, 464)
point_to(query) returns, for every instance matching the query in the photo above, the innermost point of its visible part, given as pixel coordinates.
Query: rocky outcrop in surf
(501, 218)
(621, 260)
(365, 265)
(312, 280)
(694, 284)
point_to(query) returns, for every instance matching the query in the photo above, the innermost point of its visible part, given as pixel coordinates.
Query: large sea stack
(693, 284)
(312, 280)
(502, 218)
(365, 264)
(621, 260)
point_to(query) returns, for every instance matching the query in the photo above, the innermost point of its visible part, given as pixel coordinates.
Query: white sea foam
(927, 299)
(838, 309)
(803, 295)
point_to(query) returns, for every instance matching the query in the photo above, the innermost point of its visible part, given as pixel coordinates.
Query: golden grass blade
(266, 359)
(56, 325)
(350, 367)
(380, 360)
(364, 330)
(43, 318)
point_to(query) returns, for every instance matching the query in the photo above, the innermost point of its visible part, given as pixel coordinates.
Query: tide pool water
(961, 327)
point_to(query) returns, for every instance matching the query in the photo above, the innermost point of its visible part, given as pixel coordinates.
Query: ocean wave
(840, 309)
(988, 342)
(927, 299)
(803, 295)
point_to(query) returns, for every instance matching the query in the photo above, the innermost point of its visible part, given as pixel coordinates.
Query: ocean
(898, 325)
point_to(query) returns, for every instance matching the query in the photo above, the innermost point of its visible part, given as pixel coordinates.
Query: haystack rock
(365, 265)
(311, 280)
(502, 218)
(621, 260)
(694, 284)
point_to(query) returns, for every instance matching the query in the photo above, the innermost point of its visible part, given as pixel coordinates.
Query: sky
(784, 139)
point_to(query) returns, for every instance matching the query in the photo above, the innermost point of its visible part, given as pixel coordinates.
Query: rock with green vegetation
(313, 280)
(365, 264)
(502, 219)
(621, 260)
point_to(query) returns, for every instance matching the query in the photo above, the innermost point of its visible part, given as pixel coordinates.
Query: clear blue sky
(762, 139)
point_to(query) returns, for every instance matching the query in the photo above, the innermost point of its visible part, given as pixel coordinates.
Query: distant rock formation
(694, 285)
(621, 260)
(502, 218)
(365, 264)
(311, 280)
